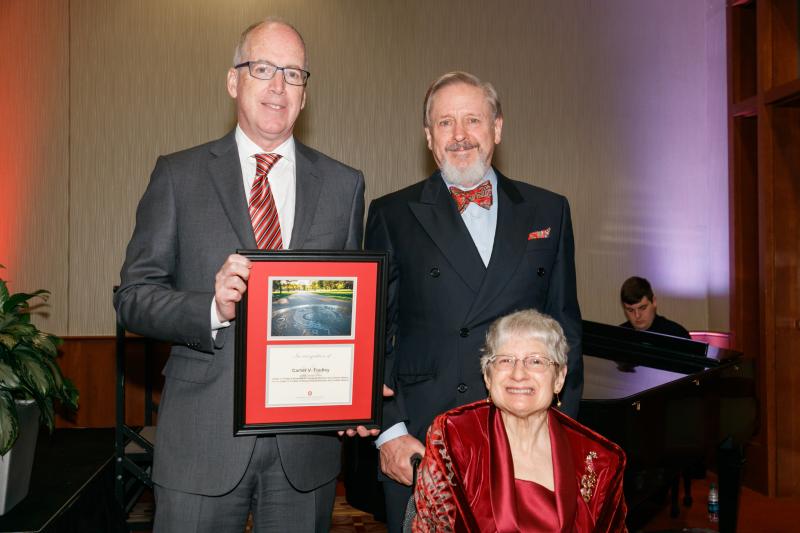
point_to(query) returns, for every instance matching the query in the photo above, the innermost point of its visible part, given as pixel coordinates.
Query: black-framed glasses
(264, 70)
(535, 363)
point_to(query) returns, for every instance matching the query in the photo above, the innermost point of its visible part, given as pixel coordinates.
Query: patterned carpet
(346, 519)
(757, 514)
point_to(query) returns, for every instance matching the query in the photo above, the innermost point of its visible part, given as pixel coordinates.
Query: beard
(467, 177)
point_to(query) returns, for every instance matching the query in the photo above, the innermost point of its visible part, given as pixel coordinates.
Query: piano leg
(687, 487)
(730, 460)
(674, 491)
(674, 508)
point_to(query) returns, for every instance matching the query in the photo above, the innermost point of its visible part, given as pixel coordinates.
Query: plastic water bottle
(713, 504)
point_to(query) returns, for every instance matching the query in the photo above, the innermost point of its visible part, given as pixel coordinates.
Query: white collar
(250, 148)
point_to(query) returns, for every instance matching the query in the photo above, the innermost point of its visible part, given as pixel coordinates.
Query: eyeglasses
(264, 70)
(535, 363)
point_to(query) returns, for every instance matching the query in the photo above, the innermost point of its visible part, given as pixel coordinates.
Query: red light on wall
(15, 135)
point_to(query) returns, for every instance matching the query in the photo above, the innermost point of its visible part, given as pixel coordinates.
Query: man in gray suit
(181, 281)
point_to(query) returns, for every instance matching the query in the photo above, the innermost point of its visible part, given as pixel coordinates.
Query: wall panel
(608, 102)
(34, 152)
(90, 362)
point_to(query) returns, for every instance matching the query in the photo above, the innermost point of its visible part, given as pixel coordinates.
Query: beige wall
(614, 104)
(34, 152)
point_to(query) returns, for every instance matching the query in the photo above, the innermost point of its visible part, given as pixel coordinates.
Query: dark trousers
(264, 491)
(397, 496)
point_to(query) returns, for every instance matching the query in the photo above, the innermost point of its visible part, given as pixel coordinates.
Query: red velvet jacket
(466, 481)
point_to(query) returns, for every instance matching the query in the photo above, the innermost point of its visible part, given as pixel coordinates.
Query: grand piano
(675, 406)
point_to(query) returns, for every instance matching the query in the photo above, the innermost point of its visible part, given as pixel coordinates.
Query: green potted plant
(30, 381)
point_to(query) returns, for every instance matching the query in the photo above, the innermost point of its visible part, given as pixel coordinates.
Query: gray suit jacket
(191, 217)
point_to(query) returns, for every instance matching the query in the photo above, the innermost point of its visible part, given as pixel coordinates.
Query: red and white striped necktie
(263, 213)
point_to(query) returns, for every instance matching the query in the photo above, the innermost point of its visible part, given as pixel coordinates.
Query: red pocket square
(541, 234)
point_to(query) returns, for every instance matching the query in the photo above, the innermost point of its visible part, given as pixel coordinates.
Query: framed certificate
(310, 342)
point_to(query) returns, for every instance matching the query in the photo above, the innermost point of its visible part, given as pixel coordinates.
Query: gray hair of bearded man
(526, 324)
(452, 78)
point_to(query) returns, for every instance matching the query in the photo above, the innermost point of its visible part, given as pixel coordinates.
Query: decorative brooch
(589, 479)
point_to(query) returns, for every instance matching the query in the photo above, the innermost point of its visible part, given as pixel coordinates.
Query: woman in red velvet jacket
(512, 463)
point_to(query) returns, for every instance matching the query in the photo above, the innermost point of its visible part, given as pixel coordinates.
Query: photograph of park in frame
(309, 346)
(311, 307)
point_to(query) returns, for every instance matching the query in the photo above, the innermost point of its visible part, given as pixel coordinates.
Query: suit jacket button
(462, 388)
(540, 272)
(464, 332)
(435, 272)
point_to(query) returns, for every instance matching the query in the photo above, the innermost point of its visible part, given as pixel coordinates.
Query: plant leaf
(9, 424)
(34, 371)
(28, 365)
(3, 291)
(9, 341)
(48, 415)
(64, 390)
(47, 343)
(55, 370)
(20, 330)
(6, 319)
(8, 378)
(69, 394)
(15, 300)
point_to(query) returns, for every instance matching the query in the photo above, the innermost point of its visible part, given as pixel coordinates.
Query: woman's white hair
(530, 325)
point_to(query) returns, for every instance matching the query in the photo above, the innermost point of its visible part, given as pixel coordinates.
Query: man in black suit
(181, 281)
(466, 245)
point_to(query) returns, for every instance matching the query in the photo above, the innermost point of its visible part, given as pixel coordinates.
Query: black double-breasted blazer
(442, 298)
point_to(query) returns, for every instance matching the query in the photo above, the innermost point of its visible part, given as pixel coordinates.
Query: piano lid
(623, 363)
(644, 347)
(607, 379)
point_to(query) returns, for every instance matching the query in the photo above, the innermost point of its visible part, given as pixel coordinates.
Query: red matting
(364, 301)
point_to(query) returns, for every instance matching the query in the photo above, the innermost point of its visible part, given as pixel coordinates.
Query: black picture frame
(367, 336)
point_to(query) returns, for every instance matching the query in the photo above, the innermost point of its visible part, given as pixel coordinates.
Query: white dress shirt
(282, 179)
(481, 223)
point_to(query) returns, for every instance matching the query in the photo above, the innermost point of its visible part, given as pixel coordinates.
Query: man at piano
(640, 307)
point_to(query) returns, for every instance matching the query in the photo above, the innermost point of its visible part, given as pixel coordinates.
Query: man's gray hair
(452, 78)
(239, 51)
(527, 324)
